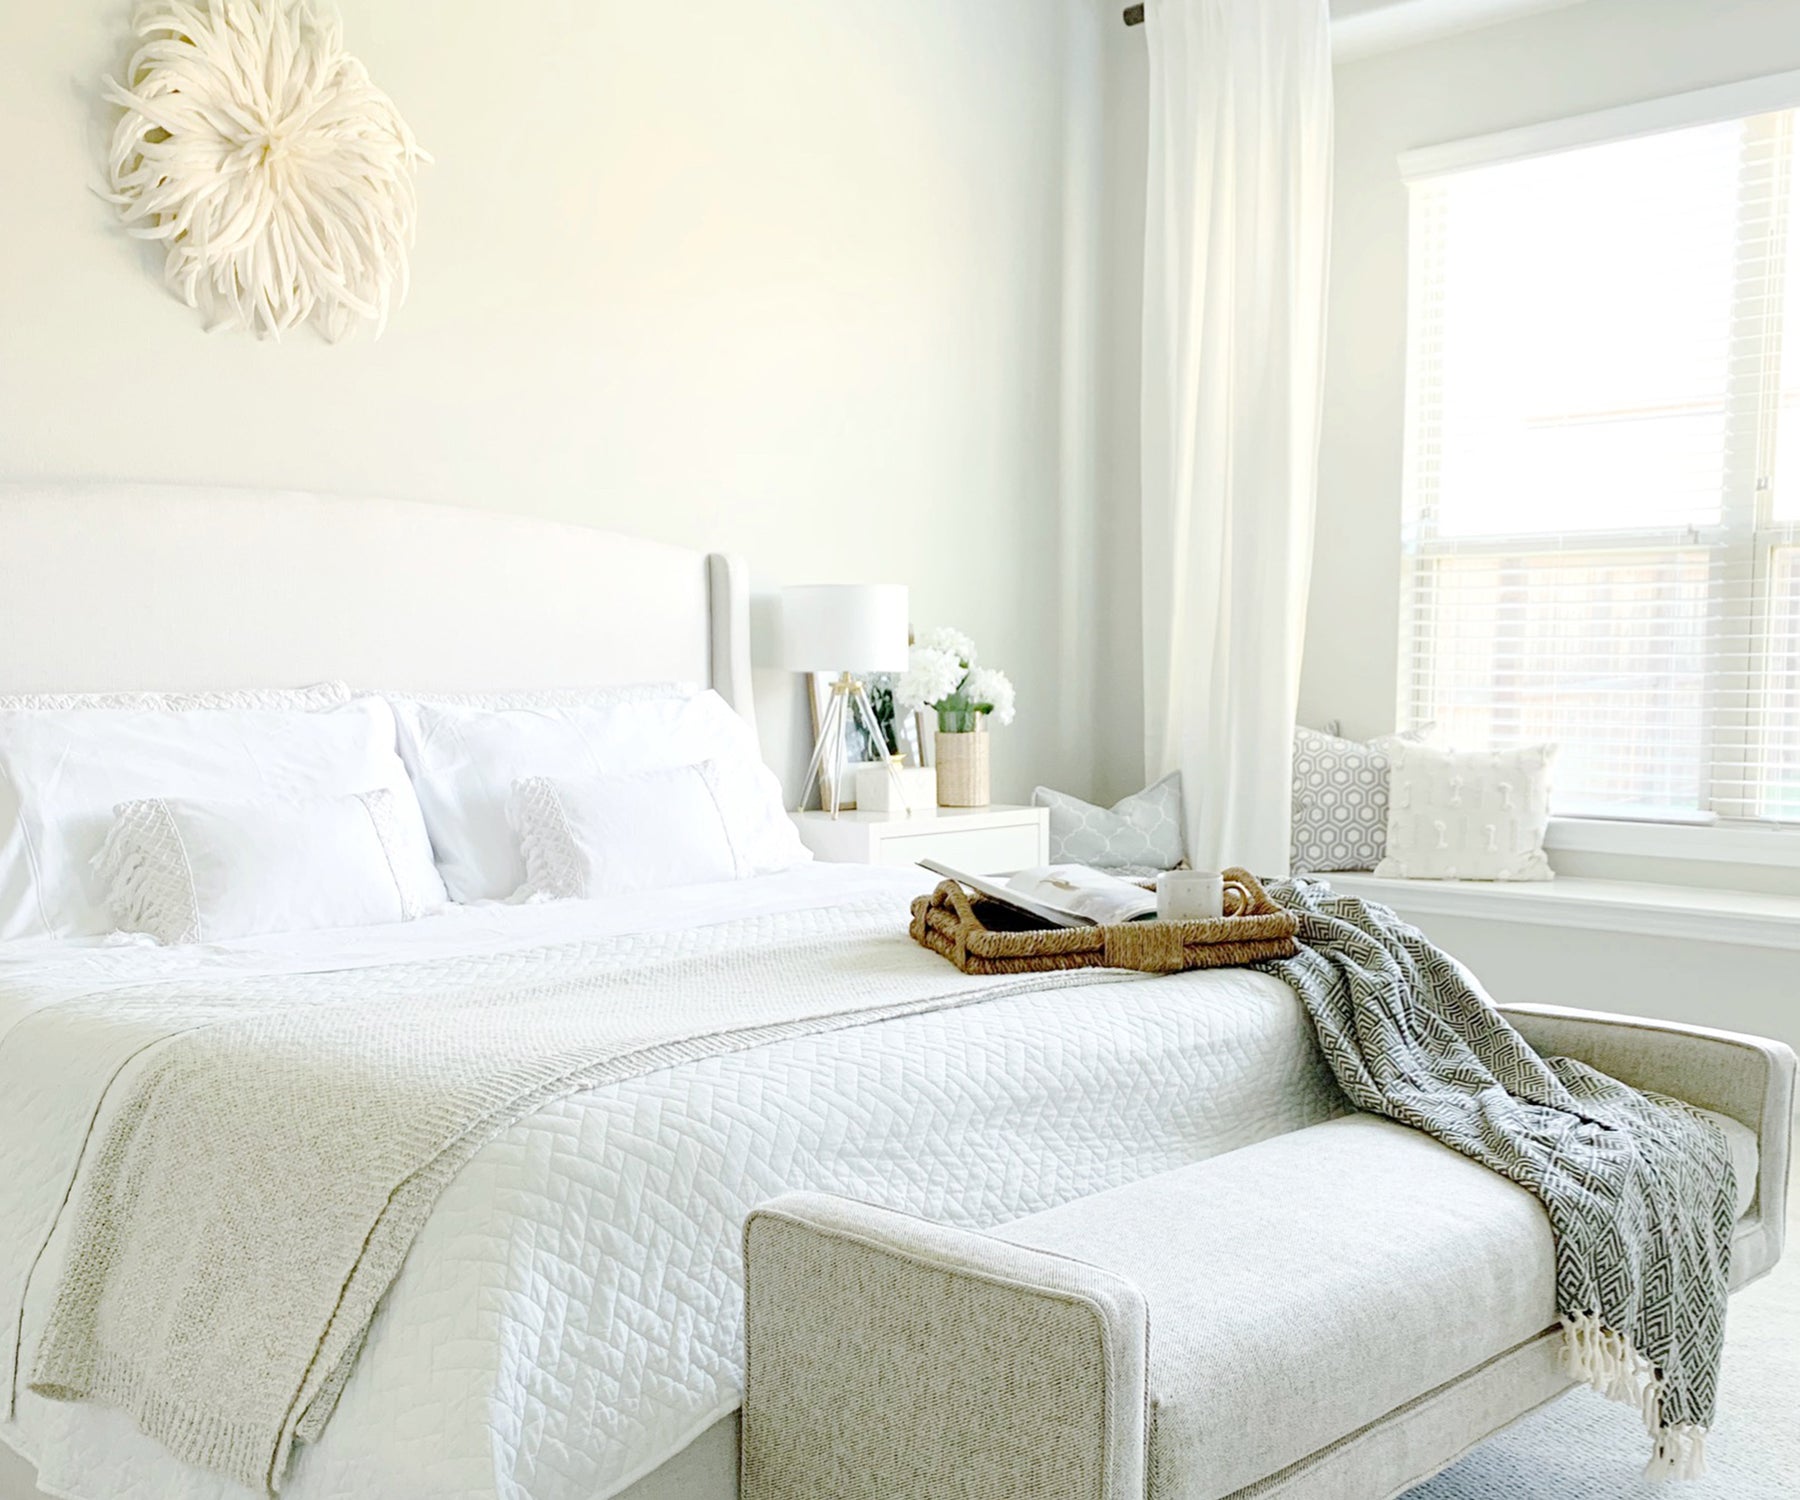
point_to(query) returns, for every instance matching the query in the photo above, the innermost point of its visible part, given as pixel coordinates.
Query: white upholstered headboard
(118, 586)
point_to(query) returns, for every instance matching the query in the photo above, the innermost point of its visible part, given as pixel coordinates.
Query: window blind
(1601, 542)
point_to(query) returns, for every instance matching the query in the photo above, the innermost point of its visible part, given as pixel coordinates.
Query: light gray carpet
(1585, 1448)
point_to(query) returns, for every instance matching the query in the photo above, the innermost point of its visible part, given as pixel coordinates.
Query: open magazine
(1062, 895)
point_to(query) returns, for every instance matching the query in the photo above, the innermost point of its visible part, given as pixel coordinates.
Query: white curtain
(1234, 311)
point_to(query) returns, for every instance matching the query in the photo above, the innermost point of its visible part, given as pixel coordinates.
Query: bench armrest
(887, 1355)
(1749, 1078)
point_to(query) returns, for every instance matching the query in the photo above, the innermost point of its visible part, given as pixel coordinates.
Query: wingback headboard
(118, 586)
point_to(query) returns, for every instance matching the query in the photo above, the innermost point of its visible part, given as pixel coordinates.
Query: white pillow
(465, 759)
(1467, 814)
(638, 831)
(201, 872)
(63, 771)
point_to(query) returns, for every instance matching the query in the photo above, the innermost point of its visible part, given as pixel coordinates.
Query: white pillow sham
(1467, 814)
(465, 758)
(639, 831)
(63, 771)
(187, 871)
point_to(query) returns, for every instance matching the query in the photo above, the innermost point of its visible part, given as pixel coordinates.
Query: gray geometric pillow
(1140, 835)
(1340, 801)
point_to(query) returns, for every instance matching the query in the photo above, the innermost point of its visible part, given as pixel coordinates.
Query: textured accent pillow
(1143, 833)
(612, 835)
(1340, 801)
(196, 872)
(1468, 814)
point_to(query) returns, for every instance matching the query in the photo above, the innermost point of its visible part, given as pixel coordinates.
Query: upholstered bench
(1331, 1314)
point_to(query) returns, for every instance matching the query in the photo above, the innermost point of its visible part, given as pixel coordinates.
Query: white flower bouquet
(942, 675)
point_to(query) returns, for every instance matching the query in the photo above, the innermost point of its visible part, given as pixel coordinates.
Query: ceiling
(1362, 27)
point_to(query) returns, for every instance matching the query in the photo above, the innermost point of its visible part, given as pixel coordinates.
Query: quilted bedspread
(568, 1318)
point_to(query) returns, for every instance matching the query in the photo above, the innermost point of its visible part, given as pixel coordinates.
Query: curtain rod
(1134, 15)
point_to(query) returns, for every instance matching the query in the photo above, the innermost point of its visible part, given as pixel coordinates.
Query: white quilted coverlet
(569, 1317)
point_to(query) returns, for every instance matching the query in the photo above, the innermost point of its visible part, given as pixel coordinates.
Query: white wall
(1118, 633)
(1728, 986)
(812, 280)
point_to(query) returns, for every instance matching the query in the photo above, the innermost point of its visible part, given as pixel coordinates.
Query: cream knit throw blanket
(256, 1187)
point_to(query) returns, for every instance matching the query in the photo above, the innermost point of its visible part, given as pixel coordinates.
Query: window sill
(1690, 913)
(1769, 847)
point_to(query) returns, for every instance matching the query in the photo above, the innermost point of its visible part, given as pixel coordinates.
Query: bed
(566, 1324)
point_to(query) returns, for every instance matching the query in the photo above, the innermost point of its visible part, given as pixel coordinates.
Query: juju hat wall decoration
(279, 178)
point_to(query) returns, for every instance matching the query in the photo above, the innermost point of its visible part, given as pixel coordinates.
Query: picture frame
(860, 744)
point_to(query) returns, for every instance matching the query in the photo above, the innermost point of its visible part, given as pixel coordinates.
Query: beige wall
(813, 280)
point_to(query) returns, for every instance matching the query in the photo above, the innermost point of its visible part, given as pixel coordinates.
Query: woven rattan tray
(987, 937)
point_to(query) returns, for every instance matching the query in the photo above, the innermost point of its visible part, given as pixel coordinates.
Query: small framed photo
(859, 744)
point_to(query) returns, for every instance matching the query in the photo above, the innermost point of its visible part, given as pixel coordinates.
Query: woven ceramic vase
(962, 770)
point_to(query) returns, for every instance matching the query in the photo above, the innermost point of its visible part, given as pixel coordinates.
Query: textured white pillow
(465, 758)
(639, 831)
(63, 771)
(552, 697)
(197, 872)
(300, 700)
(1467, 814)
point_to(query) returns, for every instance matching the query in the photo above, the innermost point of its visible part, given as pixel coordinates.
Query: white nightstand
(980, 840)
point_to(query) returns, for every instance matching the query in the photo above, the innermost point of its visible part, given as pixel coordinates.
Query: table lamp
(846, 628)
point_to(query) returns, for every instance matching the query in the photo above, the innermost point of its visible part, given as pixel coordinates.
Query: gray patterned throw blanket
(1638, 1187)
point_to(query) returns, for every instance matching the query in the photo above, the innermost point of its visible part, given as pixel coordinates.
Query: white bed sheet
(568, 1320)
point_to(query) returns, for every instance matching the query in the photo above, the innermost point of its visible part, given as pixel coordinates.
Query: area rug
(1585, 1448)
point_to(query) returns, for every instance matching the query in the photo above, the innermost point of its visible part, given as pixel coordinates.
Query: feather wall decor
(277, 176)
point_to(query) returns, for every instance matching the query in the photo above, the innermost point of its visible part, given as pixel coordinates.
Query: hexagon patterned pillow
(1340, 801)
(1141, 835)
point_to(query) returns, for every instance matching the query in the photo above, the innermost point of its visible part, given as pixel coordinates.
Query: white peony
(992, 689)
(931, 674)
(951, 641)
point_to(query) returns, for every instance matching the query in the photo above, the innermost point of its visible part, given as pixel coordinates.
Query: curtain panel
(1235, 258)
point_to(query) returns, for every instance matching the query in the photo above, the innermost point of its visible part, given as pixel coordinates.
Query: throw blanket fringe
(1606, 1362)
(1638, 1188)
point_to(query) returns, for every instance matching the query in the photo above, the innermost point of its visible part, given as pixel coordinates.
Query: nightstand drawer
(980, 851)
(981, 840)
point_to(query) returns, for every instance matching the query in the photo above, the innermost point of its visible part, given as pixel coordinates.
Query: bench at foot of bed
(1330, 1314)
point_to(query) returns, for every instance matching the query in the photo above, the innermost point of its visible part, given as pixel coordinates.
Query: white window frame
(1748, 501)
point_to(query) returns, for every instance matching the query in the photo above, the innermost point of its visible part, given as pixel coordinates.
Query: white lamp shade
(844, 627)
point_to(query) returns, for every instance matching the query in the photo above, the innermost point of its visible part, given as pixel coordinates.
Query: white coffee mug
(1190, 896)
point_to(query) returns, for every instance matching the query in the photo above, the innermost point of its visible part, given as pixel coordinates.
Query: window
(1602, 518)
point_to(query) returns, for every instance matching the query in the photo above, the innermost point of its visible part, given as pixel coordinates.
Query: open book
(1062, 895)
